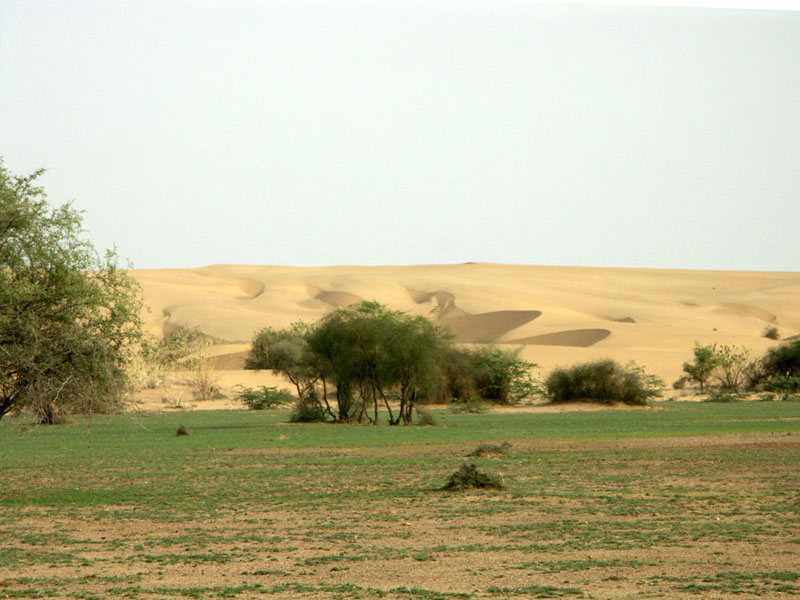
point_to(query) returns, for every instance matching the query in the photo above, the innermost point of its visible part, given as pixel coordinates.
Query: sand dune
(559, 315)
(487, 327)
(578, 338)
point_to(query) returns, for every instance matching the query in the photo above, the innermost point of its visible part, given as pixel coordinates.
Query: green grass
(684, 499)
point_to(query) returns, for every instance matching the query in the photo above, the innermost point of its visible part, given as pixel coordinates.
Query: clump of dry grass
(469, 477)
(491, 449)
(204, 381)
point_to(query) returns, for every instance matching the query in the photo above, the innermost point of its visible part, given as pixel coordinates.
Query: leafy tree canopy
(68, 317)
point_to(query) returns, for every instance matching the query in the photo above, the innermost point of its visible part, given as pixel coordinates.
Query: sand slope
(561, 315)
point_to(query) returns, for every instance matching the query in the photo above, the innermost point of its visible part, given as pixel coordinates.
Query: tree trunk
(388, 408)
(325, 399)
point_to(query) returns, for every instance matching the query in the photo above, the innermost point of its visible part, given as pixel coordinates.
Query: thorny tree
(69, 319)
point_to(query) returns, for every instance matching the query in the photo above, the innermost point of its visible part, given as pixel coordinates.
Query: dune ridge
(488, 327)
(578, 338)
(560, 315)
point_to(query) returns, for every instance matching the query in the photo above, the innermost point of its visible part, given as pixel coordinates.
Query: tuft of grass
(472, 406)
(469, 477)
(182, 430)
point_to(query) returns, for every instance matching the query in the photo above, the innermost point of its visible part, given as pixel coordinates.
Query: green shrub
(489, 373)
(721, 396)
(782, 385)
(263, 397)
(456, 376)
(468, 477)
(308, 410)
(771, 333)
(503, 376)
(784, 360)
(603, 381)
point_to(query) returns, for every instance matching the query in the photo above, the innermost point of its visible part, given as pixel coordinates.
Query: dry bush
(203, 379)
(426, 418)
(146, 375)
(491, 449)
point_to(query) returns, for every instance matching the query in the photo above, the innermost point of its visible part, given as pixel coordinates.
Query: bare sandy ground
(558, 315)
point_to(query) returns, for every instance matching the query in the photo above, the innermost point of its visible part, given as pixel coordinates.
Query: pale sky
(376, 132)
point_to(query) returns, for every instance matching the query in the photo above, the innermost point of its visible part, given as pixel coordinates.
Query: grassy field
(678, 501)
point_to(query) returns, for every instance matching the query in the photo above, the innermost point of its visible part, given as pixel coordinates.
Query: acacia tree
(69, 319)
(364, 352)
(287, 352)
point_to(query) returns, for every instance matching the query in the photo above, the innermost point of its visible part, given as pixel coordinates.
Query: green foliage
(704, 363)
(488, 372)
(771, 333)
(603, 381)
(367, 350)
(469, 477)
(783, 360)
(721, 396)
(308, 409)
(359, 357)
(286, 352)
(177, 349)
(503, 376)
(731, 366)
(727, 367)
(363, 354)
(782, 385)
(457, 376)
(263, 397)
(69, 319)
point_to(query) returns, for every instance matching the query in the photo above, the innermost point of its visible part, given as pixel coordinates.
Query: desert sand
(558, 315)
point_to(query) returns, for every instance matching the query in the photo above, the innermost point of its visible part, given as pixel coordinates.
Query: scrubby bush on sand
(702, 365)
(487, 373)
(263, 397)
(731, 369)
(603, 381)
